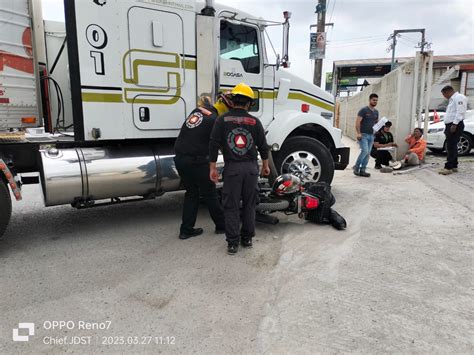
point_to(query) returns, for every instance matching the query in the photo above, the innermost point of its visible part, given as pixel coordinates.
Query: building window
(470, 84)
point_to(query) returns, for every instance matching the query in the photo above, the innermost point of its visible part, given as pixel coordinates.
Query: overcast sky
(361, 27)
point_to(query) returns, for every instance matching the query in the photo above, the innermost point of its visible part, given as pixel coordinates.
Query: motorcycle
(289, 195)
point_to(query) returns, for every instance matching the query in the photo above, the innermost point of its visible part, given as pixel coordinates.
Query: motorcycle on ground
(311, 201)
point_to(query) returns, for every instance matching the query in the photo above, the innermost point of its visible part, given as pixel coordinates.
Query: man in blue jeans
(366, 118)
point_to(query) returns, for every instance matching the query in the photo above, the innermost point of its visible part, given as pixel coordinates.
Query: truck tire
(465, 144)
(307, 158)
(5, 207)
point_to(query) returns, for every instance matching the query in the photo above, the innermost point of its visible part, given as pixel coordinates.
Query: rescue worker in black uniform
(239, 135)
(192, 163)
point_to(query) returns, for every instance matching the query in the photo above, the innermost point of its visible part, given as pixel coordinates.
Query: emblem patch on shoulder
(239, 141)
(194, 120)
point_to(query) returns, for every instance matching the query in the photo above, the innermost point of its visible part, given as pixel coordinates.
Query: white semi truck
(130, 71)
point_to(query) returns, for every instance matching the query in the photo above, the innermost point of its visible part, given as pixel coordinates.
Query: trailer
(90, 109)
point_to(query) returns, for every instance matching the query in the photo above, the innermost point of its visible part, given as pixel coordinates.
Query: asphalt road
(399, 279)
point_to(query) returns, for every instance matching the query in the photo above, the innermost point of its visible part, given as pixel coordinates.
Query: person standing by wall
(366, 119)
(455, 113)
(239, 135)
(192, 163)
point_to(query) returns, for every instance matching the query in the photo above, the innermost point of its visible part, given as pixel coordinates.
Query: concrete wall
(395, 91)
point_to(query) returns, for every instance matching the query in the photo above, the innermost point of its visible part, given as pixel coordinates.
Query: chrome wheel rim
(303, 165)
(463, 145)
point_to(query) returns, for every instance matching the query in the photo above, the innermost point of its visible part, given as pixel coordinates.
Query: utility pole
(321, 27)
(396, 33)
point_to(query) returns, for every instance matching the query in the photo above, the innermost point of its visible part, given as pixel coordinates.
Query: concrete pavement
(399, 279)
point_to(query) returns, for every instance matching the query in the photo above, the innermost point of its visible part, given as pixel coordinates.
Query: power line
(330, 18)
(332, 11)
(408, 43)
(358, 38)
(409, 39)
(358, 41)
(355, 44)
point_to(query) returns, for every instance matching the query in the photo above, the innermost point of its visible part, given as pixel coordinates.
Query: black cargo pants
(194, 173)
(383, 157)
(452, 140)
(240, 184)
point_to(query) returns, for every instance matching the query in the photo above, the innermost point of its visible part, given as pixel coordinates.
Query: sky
(361, 27)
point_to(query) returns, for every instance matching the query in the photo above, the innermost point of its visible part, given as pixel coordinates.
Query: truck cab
(138, 66)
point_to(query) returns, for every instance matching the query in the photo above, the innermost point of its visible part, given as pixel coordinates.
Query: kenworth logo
(233, 75)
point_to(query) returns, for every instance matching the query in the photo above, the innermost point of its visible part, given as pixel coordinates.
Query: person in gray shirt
(366, 118)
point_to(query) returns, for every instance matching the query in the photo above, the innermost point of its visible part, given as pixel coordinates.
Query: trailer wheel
(5, 207)
(306, 158)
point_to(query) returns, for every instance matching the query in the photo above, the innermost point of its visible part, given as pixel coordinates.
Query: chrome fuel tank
(84, 174)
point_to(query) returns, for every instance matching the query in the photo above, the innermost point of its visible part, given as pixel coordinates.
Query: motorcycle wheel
(272, 205)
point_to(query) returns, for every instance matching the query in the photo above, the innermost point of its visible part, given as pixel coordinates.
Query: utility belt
(451, 123)
(235, 161)
(193, 158)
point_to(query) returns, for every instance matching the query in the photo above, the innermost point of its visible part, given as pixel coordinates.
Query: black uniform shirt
(239, 135)
(381, 137)
(193, 138)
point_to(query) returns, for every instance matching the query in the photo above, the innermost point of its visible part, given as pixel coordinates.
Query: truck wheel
(464, 145)
(5, 207)
(306, 158)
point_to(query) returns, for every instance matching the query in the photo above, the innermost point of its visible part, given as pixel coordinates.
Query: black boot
(232, 249)
(220, 230)
(363, 173)
(191, 233)
(356, 170)
(246, 242)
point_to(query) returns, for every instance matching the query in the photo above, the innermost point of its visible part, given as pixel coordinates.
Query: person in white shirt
(453, 120)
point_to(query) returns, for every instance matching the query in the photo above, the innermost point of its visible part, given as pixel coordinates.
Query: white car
(436, 140)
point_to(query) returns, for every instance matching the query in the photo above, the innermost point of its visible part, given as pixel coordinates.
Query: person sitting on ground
(383, 139)
(416, 148)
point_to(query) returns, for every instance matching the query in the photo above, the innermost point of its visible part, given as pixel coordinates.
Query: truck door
(132, 66)
(154, 74)
(241, 60)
